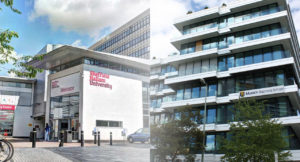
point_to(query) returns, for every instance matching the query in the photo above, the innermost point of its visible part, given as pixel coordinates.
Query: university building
(245, 49)
(87, 90)
(132, 39)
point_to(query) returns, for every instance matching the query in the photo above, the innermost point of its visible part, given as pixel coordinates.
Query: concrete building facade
(245, 49)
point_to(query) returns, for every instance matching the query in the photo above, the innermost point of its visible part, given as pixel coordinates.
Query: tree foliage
(177, 137)
(7, 55)
(256, 137)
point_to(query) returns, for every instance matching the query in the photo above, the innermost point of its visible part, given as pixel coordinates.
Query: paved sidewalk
(104, 153)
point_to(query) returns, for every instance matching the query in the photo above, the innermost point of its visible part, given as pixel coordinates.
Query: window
(196, 92)
(269, 80)
(187, 93)
(258, 56)
(265, 31)
(267, 54)
(259, 81)
(104, 123)
(248, 35)
(221, 111)
(210, 143)
(211, 116)
(222, 88)
(197, 67)
(205, 66)
(275, 29)
(279, 77)
(239, 60)
(179, 94)
(230, 62)
(256, 33)
(248, 58)
(189, 68)
(222, 64)
(203, 91)
(278, 52)
(212, 89)
(239, 37)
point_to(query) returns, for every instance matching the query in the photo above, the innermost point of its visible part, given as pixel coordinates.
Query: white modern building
(87, 89)
(16, 98)
(244, 49)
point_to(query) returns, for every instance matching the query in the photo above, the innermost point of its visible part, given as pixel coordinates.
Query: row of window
(229, 85)
(131, 29)
(105, 123)
(15, 84)
(25, 98)
(139, 53)
(224, 21)
(252, 57)
(131, 43)
(221, 114)
(163, 70)
(101, 63)
(235, 38)
(158, 86)
(196, 67)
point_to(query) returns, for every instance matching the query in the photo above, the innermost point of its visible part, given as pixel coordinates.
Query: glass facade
(225, 21)
(224, 87)
(100, 63)
(235, 38)
(252, 57)
(132, 39)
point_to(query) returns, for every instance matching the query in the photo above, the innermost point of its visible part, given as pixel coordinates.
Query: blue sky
(34, 34)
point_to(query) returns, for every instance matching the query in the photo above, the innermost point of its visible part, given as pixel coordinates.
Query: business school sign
(100, 80)
(264, 91)
(65, 85)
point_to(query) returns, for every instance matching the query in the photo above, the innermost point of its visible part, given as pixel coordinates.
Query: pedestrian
(47, 132)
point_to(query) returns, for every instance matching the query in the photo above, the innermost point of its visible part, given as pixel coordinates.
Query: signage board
(65, 85)
(263, 91)
(7, 107)
(100, 80)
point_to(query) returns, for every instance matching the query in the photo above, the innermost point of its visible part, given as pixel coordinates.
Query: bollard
(98, 138)
(95, 137)
(33, 138)
(110, 140)
(82, 139)
(61, 142)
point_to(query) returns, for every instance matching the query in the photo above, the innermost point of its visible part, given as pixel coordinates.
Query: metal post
(95, 137)
(110, 140)
(204, 123)
(33, 138)
(82, 139)
(98, 138)
(61, 142)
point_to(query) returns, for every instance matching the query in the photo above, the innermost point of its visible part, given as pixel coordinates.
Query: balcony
(215, 31)
(258, 66)
(185, 78)
(291, 91)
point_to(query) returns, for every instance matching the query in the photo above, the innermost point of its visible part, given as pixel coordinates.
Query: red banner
(7, 107)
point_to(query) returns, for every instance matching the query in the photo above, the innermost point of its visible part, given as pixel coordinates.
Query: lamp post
(204, 119)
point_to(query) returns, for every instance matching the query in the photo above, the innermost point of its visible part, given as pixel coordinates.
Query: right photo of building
(240, 50)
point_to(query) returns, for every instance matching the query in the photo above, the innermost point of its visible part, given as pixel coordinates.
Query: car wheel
(130, 140)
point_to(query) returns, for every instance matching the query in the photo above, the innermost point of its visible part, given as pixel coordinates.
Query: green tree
(177, 137)
(256, 137)
(21, 68)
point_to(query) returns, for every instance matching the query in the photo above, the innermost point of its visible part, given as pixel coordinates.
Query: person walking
(47, 132)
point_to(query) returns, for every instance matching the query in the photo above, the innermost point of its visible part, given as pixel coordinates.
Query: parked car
(141, 135)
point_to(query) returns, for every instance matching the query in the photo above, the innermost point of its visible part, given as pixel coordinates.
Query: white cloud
(87, 16)
(163, 13)
(78, 43)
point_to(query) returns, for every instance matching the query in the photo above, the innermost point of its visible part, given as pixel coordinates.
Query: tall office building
(245, 49)
(131, 39)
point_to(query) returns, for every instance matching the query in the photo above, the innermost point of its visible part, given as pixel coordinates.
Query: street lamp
(204, 119)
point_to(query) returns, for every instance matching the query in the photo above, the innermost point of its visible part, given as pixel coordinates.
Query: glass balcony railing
(223, 42)
(226, 21)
